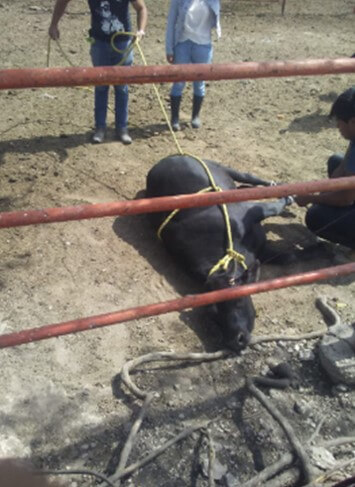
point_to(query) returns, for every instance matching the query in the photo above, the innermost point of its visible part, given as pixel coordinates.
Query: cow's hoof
(289, 200)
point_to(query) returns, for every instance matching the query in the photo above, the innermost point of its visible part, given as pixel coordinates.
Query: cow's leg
(246, 178)
(259, 211)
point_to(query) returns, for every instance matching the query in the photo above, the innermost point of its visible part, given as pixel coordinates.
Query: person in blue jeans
(332, 214)
(189, 40)
(107, 18)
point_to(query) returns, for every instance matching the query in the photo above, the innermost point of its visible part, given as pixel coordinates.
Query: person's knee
(311, 219)
(101, 90)
(333, 162)
(199, 90)
(177, 89)
(121, 90)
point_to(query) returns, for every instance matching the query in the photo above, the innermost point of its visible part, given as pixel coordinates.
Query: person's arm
(335, 198)
(59, 9)
(142, 17)
(170, 31)
(332, 198)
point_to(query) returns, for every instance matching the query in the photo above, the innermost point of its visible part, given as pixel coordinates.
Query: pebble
(306, 355)
(219, 470)
(340, 388)
(302, 407)
(230, 480)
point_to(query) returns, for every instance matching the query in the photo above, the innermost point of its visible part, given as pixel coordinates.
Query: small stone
(341, 388)
(302, 407)
(218, 471)
(321, 457)
(337, 357)
(306, 355)
(275, 394)
(230, 480)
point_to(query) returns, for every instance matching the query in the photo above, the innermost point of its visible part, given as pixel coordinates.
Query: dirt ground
(62, 402)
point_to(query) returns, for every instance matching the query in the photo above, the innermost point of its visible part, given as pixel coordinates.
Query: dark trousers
(333, 223)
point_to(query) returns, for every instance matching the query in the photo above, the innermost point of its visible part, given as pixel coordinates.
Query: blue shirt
(108, 17)
(176, 20)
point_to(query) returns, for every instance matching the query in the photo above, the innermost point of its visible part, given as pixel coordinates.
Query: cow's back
(182, 174)
(196, 237)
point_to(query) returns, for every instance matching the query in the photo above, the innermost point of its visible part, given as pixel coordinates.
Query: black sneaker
(123, 136)
(98, 136)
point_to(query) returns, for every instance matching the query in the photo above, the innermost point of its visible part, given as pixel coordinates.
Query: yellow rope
(126, 53)
(231, 253)
(174, 212)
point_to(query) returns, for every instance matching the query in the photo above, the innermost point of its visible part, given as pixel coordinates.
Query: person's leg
(100, 56)
(333, 163)
(182, 55)
(333, 223)
(122, 58)
(201, 53)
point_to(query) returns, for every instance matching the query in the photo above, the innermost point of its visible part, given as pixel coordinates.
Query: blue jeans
(102, 54)
(189, 52)
(333, 223)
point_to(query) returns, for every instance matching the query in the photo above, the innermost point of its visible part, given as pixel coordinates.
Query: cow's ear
(252, 274)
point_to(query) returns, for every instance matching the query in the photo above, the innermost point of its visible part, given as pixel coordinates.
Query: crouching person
(332, 214)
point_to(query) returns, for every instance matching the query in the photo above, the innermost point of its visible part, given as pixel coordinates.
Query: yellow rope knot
(225, 261)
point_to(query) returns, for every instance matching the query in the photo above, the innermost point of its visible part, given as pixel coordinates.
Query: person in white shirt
(189, 40)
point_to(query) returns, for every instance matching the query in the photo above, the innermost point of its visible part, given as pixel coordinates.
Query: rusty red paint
(166, 203)
(191, 301)
(108, 75)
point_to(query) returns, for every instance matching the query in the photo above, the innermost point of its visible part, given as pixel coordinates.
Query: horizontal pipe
(191, 301)
(167, 203)
(109, 75)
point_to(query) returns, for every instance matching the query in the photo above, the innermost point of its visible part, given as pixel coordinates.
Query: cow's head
(236, 317)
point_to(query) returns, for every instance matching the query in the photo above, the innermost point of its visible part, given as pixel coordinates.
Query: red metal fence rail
(194, 301)
(166, 203)
(108, 75)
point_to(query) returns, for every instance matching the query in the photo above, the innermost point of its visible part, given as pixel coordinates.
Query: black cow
(197, 239)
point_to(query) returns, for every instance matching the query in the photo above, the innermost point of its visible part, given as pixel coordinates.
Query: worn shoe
(196, 108)
(98, 136)
(123, 136)
(175, 108)
(176, 126)
(196, 123)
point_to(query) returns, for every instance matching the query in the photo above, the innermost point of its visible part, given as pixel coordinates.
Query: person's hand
(170, 58)
(302, 200)
(53, 32)
(140, 34)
